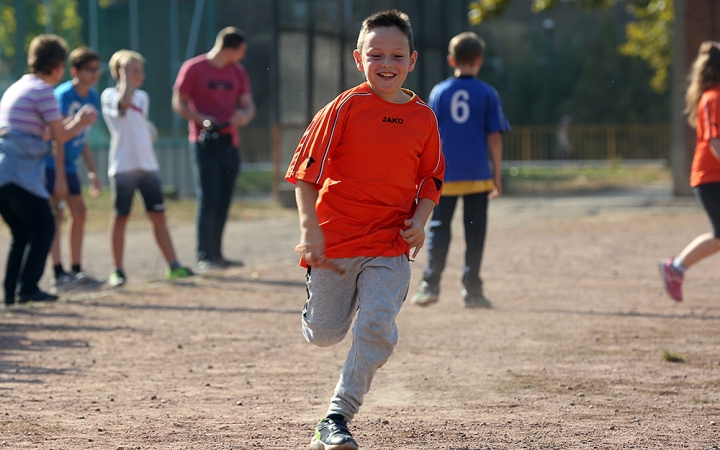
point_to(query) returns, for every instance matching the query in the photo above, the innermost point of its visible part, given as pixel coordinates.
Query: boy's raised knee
(322, 337)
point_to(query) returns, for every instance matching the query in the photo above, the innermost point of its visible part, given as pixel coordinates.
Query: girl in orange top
(703, 109)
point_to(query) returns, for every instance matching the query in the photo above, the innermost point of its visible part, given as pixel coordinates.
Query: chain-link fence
(299, 58)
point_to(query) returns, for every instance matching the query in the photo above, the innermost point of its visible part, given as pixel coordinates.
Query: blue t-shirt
(467, 110)
(70, 103)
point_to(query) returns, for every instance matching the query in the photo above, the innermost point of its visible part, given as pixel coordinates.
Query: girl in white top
(133, 165)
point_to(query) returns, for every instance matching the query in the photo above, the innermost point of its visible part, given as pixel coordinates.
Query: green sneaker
(116, 279)
(475, 300)
(180, 272)
(332, 434)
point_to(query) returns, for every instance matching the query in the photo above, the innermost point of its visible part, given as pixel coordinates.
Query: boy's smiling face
(386, 61)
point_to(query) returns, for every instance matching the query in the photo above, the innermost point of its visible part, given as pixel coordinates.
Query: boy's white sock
(679, 266)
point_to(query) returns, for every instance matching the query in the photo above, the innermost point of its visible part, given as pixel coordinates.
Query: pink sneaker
(671, 279)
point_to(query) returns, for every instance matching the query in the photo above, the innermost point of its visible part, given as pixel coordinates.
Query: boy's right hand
(312, 250)
(87, 115)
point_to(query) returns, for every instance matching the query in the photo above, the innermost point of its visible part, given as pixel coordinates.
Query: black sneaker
(38, 296)
(475, 300)
(332, 434)
(231, 263)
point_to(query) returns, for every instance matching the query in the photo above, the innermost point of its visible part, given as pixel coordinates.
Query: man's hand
(413, 234)
(240, 118)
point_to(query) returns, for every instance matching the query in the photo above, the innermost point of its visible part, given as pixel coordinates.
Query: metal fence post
(526, 144)
(611, 144)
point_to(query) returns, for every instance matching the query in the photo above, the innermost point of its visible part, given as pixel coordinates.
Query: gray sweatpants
(374, 287)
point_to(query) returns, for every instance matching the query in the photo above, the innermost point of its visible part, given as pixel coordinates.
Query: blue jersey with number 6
(467, 110)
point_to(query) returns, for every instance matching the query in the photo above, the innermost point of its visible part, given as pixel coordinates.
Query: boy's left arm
(495, 144)
(430, 176)
(414, 232)
(94, 190)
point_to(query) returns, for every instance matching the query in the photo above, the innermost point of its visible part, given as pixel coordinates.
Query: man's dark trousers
(216, 167)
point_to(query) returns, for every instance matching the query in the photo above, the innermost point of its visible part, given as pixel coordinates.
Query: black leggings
(32, 227)
(709, 196)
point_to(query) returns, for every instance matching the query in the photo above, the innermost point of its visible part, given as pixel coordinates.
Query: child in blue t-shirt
(471, 120)
(72, 95)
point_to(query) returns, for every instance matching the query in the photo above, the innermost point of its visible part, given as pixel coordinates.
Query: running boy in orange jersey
(374, 155)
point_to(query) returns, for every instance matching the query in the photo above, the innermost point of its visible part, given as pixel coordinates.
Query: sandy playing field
(571, 356)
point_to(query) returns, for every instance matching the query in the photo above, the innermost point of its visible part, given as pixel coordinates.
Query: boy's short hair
(466, 48)
(389, 18)
(230, 37)
(81, 56)
(121, 57)
(46, 52)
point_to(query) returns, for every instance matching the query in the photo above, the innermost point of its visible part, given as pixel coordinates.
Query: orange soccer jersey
(705, 166)
(370, 159)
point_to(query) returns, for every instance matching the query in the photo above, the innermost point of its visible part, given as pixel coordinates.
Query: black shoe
(332, 433)
(231, 263)
(38, 296)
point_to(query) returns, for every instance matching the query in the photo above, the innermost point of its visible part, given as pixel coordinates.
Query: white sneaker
(87, 281)
(64, 282)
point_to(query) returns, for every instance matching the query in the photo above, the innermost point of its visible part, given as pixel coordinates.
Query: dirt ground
(570, 357)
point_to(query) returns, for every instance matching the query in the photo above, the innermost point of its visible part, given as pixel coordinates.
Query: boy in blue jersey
(471, 120)
(73, 95)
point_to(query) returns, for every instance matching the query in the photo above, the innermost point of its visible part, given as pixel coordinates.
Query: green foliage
(649, 37)
(64, 21)
(582, 76)
(670, 356)
(612, 88)
(254, 182)
(529, 180)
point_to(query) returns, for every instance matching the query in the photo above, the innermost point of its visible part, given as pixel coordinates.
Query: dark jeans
(32, 227)
(215, 167)
(475, 220)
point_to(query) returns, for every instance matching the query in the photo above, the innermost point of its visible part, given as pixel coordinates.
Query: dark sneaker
(332, 434)
(38, 296)
(672, 280)
(475, 300)
(231, 263)
(426, 294)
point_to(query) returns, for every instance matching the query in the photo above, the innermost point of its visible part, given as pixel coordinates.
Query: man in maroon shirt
(212, 92)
